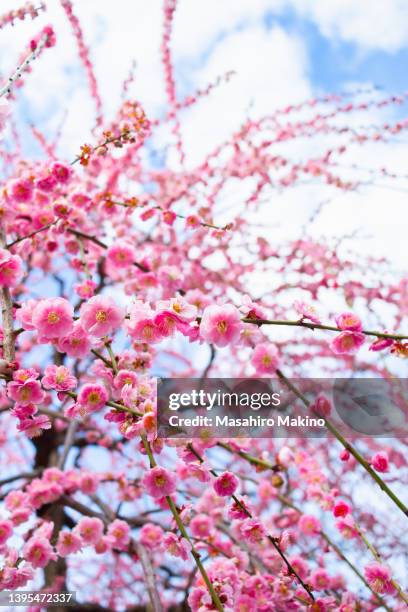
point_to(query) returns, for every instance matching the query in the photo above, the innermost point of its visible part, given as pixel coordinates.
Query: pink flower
(177, 546)
(11, 269)
(180, 307)
(121, 255)
(307, 312)
(119, 534)
(226, 484)
(340, 508)
(347, 343)
(167, 322)
(380, 462)
(88, 482)
(151, 536)
(61, 172)
(349, 321)
(319, 579)
(43, 492)
(46, 183)
(21, 190)
(221, 325)
(265, 358)
(141, 326)
(34, 427)
(252, 530)
(379, 577)
(29, 392)
(89, 529)
(322, 406)
(25, 313)
(77, 344)
(347, 527)
(39, 552)
(68, 543)
(380, 344)
(86, 289)
(92, 397)
(125, 377)
(300, 565)
(59, 378)
(14, 500)
(169, 217)
(159, 482)
(201, 526)
(344, 455)
(309, 524)
(53, 317)
(6, 530)
(100, 316)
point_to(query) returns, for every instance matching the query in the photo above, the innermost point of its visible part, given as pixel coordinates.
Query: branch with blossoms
(29, 9)
(45, 39)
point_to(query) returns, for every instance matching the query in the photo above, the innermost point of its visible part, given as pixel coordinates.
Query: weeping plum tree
(114, 271)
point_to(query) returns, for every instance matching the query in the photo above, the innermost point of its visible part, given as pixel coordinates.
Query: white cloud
(271, 70)
(370, 24)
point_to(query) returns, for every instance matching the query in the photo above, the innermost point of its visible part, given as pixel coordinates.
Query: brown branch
(9, 351)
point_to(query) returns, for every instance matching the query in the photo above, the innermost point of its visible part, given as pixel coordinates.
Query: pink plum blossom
(119, 534)
(265, 358)
(53, 317)
(125, 377)
(101, 316)
(25, 314)
(159, 482)
(347, 527)
(180, 307)
(380, 462)
(68, 543)
(379, 577)
(6, 530)
(252, 530)
(28, 392)
(380, 344)
(92, 397)
(77, 343)
(59, 378)
(20, 190)
(141, 326)
(86, 289)
(61, 172)
(34, 427)
(11, 269)
(201, 526)
(121, 255)
(176, 546)
(89, 529)
(309, 524)
(151, 536)
(38, 551)
(347, 343)
(226, 484)
(340, 508)
(221, 325)
(349, 321)
(307, 312)
(319, 579)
